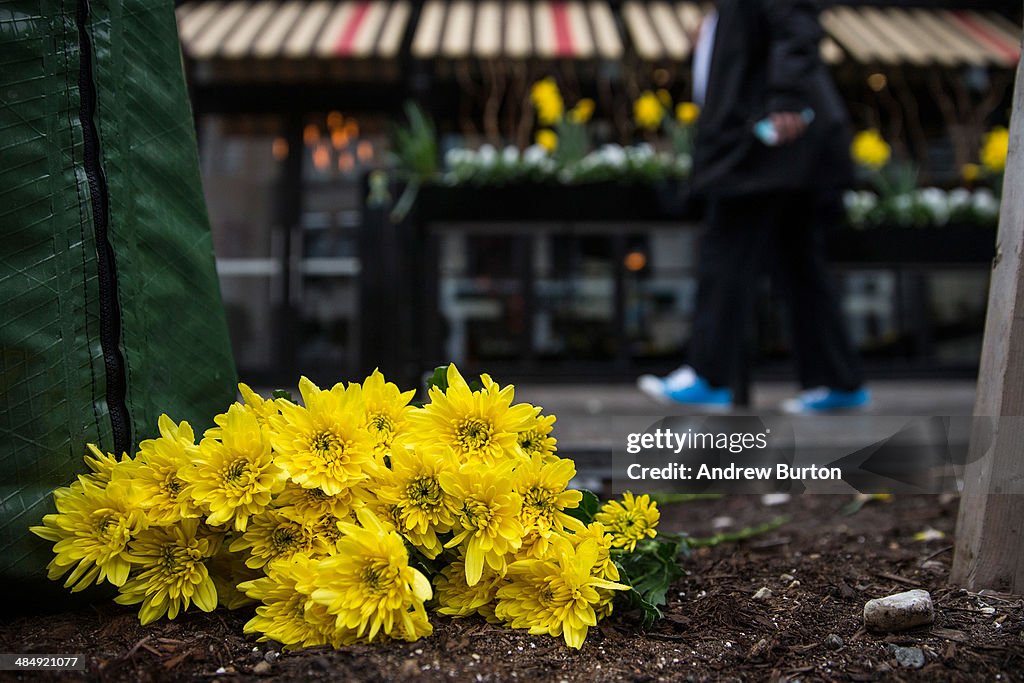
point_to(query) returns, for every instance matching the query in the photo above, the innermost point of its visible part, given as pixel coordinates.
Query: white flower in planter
(510, 155)
(985, 204)
(534, 155)
(936, 203)
(487, 155)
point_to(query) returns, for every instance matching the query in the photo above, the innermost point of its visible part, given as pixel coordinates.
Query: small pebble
(271, 656)
(220, 670)
(261, 668)
(909, 657)
(763, 593)
(787, 577)
(833, 642)
(899, 611)
(933, 566)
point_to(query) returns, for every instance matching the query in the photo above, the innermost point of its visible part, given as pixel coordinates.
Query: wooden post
(990, 528)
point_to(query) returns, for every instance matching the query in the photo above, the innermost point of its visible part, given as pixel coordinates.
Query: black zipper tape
(110, 310)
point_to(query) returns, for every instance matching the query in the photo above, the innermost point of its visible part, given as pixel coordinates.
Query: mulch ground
(820, 568)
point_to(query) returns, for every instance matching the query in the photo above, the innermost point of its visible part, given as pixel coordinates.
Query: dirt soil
(820, 567)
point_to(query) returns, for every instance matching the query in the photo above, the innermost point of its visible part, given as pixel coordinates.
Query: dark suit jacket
(766, 59)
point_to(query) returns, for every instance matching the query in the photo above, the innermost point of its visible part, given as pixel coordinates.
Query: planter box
(949, 244)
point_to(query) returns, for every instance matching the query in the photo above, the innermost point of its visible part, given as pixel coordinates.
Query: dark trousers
(784, 235)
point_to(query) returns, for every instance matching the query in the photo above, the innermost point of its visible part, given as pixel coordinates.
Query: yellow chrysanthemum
(547, 100)
(102, 465)
(487, 522)
(648, 111)
(479, 426)
(261, 408)
(536, 439)
(233, 477)
(555, 596)
(629, 521)
(272, 536)
(306, 505)
(687, 113)
(542, 487)
(170, 573)
(155, 473)
(91, 531)
(547, 138)
(424, 509)
(583, 111)
(994, 149)
(369, 586)
(604, 566)
(456, 598)
(325, 443)
(228, 570)
(387, 411)
(870, 149)
(288, 614)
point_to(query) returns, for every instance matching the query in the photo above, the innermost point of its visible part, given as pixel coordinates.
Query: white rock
(900, 611)
(763, 593)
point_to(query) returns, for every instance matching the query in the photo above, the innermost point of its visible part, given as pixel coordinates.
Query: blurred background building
(296, 101)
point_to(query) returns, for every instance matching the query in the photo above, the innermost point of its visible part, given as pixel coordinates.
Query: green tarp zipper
(110, 310)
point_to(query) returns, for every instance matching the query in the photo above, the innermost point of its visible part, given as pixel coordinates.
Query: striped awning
(491, 29)
(664, 31)
(924, 37)
(239, 30)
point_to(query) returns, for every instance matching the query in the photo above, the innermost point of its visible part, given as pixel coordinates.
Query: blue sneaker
(824, 400)
(684, 386)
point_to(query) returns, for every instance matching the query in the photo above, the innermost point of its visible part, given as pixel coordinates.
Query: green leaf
(282, 393)
(439, 379)
(588, 507)
(650, 571)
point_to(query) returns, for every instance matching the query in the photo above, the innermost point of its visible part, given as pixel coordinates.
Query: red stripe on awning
(563, 34)
(348, 35)
(986, 37)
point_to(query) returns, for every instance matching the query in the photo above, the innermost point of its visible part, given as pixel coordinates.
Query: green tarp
(110, 310)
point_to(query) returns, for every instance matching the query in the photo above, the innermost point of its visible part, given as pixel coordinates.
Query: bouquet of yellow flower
(345, 516)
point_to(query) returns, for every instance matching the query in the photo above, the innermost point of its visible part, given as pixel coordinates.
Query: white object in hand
(765, 131)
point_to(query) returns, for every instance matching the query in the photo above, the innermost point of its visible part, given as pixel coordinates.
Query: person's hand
(789, 125)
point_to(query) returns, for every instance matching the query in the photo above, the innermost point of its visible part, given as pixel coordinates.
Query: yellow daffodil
(478, 426)
(547, 100)
(91, 531)
(233, 477)
(369, 586)
(994, 149)
(687, 113)
(648, 111)
(970, 173)
(629, 521)
(583, 111)
(487, 523)
(555, 596)
(170, 572)
(325, 443)
(547, 138)
(869, 149)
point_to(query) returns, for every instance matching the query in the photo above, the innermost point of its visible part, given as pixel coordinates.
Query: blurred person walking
(771, 159)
